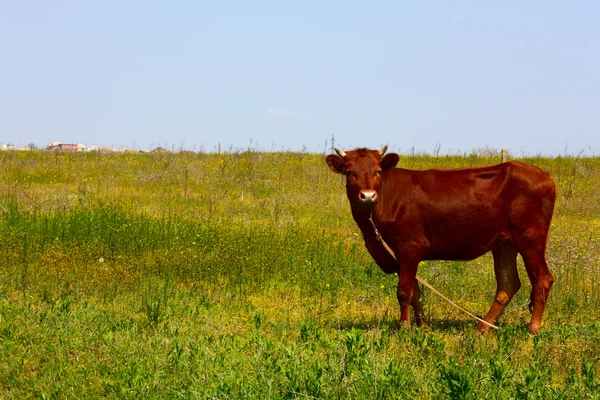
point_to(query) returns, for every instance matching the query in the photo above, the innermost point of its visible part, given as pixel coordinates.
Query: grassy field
(242, 275)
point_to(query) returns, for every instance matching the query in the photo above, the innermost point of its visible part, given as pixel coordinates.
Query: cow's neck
(361, 216)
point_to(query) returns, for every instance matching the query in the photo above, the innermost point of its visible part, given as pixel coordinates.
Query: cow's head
(363, 169)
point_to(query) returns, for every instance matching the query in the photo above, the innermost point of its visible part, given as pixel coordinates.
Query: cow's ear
(389, 161)
(336, 164)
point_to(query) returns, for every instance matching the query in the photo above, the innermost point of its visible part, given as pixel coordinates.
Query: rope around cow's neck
(380, 239)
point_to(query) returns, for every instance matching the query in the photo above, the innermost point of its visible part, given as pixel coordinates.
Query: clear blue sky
(288, 75)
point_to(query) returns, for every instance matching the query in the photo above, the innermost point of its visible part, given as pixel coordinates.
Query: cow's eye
(377, 173)
(349, 173)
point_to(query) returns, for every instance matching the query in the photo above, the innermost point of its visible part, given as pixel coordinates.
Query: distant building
(59, 146)
(102, 149)
(159, 150)
(76, 147)
(68, 147)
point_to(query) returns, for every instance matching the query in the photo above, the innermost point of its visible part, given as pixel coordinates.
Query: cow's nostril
(367, 196)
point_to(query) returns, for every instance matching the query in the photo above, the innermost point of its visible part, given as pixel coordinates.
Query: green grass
(243, 276)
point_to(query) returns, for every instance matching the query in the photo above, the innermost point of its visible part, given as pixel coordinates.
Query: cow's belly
(460, 248)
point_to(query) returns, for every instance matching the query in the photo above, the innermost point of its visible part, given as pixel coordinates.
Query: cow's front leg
(405, 291)
(417, 306)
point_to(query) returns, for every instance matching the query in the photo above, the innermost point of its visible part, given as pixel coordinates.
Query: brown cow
(457, 214)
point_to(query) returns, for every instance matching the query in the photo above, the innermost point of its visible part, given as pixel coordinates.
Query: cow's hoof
(533, 329)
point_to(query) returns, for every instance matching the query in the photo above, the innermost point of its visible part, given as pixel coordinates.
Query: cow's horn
(341, 153)
(383, 150)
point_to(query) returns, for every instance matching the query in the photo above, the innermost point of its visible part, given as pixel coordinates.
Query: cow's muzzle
(367, 196)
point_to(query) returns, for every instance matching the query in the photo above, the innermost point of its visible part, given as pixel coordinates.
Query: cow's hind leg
(531, 244)
(541, 281)
(507, 282)
(417, 306)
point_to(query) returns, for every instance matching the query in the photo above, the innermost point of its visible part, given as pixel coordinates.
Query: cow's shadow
(391, 325)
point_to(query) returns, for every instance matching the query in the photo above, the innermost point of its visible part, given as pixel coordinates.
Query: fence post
(219, 151)
(504, 153)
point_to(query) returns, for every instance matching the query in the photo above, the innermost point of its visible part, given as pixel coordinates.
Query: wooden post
(219, 151)
(504, 154)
